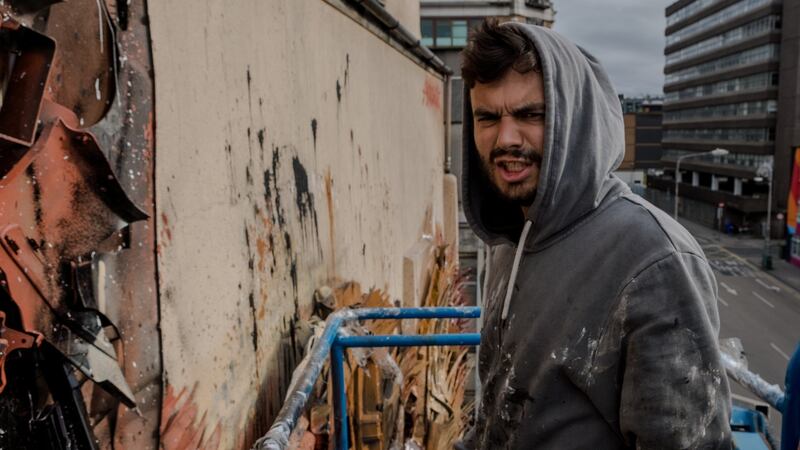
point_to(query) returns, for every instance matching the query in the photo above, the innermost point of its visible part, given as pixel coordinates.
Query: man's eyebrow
(483, 112)
(533, 107)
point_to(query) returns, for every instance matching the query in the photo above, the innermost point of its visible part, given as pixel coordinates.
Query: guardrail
(333, 343)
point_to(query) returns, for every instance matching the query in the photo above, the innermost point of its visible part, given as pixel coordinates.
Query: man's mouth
(513, 171)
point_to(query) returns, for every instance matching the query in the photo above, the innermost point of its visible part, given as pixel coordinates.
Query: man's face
(508, 125)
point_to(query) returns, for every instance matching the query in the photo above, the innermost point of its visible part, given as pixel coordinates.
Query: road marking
(730, 290)
(763, 299)
(780, 352)
(792, 291)
(767, 286)
(723, 301)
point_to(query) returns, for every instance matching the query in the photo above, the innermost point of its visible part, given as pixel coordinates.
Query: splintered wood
(398, 397)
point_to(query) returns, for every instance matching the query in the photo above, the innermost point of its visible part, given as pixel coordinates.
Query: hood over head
(583, 144)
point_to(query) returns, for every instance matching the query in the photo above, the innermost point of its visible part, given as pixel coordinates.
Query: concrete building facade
(642, 117)
(731, 82)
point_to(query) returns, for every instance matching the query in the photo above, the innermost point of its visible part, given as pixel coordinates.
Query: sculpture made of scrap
(61, 206)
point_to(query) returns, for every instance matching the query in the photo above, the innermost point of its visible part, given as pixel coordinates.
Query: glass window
(445, 32)
(760, 26)
(733, 110)
(747, 57)
(426, 27)
(755, 135)
(459, 33)
(737, 9)
(688, 10)
(444, 35)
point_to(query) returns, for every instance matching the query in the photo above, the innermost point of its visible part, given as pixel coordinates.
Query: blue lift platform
(749, 427)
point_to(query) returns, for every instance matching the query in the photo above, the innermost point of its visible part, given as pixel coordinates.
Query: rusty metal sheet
(32, 56)
(64, 212)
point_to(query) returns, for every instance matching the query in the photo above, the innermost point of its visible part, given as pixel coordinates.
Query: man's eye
(486, 119)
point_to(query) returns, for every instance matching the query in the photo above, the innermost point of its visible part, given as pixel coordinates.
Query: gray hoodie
(610, 336)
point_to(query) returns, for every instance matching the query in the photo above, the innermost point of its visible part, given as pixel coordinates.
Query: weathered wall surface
(294, 148)
(406, 12)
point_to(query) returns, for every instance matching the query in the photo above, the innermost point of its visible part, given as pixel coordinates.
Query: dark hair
(493, 49)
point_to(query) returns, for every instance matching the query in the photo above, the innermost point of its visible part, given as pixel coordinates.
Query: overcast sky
(627, 36)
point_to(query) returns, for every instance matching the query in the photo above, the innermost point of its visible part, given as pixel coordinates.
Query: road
(757, 308)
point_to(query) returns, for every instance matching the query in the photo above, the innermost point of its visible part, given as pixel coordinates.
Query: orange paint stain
(331, 229)
(261, 248)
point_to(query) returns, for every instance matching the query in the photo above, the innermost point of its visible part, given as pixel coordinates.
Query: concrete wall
(407, 12)
(630, 142)
(294, 148)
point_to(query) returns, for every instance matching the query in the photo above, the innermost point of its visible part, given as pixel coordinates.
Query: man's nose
(508, 134)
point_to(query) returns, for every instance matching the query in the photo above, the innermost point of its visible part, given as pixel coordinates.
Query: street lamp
(765, 171)
(715, 152)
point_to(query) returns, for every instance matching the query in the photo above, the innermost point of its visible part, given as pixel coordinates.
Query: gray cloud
(627, 36)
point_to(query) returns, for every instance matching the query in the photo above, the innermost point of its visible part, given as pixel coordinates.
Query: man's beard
(520, 198)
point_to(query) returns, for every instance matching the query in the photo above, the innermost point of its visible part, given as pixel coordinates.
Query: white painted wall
(229, 247)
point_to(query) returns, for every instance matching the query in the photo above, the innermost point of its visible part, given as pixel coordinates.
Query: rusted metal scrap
(61, 206)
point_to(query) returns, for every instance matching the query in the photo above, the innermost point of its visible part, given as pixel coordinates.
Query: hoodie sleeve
(675, 393)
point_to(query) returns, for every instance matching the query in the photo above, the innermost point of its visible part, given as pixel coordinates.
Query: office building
(731, 82)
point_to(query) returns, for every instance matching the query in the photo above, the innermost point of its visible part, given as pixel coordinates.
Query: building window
(748, 83)
(758, 27)
(688, 10)
(426, 26)
(737, 9)
(739, 159)
(446, 33)
(747, 57)
(730, 111)
(754, 135)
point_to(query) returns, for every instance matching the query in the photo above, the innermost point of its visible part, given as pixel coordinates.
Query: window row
(739, 159)
(722, 134)
(689, 10)
(747, 57)
(732, 110)
(741, 84)
(724, 15)
(756, 28)
(446, 32)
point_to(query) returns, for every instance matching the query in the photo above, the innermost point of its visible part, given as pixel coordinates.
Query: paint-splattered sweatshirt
(610, 336)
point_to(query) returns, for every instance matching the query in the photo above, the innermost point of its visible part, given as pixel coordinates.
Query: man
(600, 320)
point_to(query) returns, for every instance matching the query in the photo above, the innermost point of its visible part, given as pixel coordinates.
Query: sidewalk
(750, 249)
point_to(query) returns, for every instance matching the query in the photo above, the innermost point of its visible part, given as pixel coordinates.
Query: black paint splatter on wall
(314, 131)
(304, 197)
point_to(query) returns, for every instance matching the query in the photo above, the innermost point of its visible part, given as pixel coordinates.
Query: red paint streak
(180, 427)
(166, 233)
(432, 93)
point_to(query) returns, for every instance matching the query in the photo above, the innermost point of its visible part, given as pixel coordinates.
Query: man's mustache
(526, 154)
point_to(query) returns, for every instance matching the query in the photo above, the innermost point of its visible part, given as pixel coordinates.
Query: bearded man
(600, 321)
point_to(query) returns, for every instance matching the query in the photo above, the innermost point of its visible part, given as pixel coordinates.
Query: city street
(755, 306)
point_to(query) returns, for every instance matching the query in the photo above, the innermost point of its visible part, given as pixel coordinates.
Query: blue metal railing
(333, 343)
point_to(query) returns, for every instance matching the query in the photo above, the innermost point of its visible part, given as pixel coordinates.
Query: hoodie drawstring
(515, 267)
